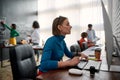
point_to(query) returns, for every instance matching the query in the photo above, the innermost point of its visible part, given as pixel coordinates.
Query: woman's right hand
(74, 61)
(71, 62)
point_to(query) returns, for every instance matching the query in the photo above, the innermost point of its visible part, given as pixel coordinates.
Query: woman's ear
(59, 27)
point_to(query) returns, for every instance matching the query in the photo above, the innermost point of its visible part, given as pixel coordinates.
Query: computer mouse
(75, 71)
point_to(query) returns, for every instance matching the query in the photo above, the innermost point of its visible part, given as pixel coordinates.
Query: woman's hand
(83, 56)
(71, 62)
(74, 61)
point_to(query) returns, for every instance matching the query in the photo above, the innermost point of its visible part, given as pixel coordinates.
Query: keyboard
(96, 64)
(82, 64)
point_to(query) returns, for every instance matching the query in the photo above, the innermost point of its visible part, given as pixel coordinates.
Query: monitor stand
(115, 68)
(104, 67)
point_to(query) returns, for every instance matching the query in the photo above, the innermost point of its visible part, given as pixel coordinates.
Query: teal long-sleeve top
(13, 32)
(54, 50)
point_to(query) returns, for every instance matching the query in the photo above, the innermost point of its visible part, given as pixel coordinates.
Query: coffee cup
(92, 71)
(97, 53)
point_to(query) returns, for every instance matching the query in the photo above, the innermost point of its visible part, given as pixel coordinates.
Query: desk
(62, 74)
(36, 47)
(1, 53)
(103, 74)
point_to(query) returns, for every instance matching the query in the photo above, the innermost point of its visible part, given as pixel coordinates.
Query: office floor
(5, 72)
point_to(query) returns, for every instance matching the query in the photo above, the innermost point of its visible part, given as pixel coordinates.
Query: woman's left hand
(82, 55)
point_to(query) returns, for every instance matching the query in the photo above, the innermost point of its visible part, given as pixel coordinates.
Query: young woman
(36, 37)
(55, 47)
(13, 33)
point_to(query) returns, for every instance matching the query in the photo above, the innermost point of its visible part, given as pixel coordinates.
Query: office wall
(20, 12)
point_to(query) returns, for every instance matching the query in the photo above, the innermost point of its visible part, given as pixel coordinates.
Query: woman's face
(65, 28)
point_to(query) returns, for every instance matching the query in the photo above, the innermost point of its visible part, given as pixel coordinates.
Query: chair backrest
(78, 42)
(23, 62)
(75, 48)
(84, 45)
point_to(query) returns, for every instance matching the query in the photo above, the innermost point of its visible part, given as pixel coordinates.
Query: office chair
(84, 45)
(23, 62)
(75, 48)
(78, 42)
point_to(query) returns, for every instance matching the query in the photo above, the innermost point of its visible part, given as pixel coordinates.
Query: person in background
(91, 34)
(83, 36)
(36, 37)
(55, 48)
(13, 33)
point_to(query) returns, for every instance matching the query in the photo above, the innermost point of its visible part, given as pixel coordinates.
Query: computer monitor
(108, 36)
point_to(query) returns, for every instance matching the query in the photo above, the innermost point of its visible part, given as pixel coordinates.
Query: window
(79, 12)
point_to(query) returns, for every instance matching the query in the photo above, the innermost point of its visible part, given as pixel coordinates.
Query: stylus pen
(77, 53)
